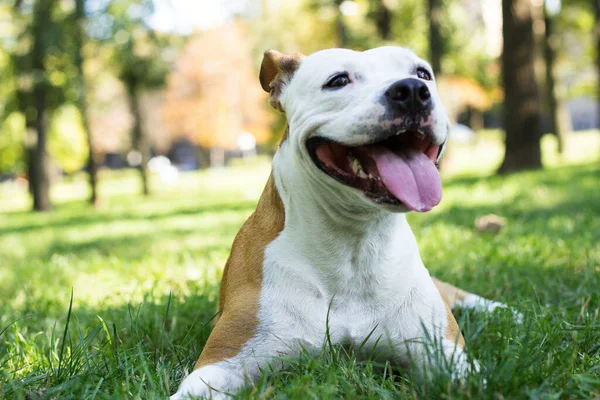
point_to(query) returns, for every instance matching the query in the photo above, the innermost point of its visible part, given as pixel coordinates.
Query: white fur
(216, 381)
(342, 263)
(478, 303)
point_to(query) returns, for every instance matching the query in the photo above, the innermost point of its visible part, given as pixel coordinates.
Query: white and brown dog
(328, 249)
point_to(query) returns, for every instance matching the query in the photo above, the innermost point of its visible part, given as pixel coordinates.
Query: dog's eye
(422, 73)
(337, 81)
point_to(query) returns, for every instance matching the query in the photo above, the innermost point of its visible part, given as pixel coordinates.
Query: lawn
(144, 277)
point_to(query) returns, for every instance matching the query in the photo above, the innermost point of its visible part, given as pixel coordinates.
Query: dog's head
(369, 125)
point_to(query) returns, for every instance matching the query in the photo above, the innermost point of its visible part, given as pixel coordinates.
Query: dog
(328, 253)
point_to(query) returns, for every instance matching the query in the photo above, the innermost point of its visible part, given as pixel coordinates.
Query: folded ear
(276, 71)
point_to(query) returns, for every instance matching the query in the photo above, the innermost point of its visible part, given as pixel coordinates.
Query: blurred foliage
(66, 139)
(12, 137)
(575, 23)
(181, 97)
(135, 51)
(213, 95)
(17, 43)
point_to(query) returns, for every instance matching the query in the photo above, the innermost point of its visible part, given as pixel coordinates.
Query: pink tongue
(411, 177)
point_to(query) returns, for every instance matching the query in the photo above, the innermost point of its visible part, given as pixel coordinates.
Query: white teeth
(377, 178)
(355, 165)
(358, 169)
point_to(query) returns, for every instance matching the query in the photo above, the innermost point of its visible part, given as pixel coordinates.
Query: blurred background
(159, 88)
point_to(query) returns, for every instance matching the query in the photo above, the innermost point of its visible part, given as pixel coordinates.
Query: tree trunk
(30, 149)
(39, 163)
(340, 26)
(92, 165)
(24, 95)
(476, 119)
(217, 157)
(521, 98)
(383, 19)
(556, 92)
(138, 139)
(436, 42)
(25, 102)
(596, 4)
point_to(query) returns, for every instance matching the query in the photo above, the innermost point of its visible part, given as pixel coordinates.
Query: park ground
(144, 274)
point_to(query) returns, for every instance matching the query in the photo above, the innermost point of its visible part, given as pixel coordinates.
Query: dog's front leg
(453, 345)
(223, 379)
(215, 381)
(233, 357)
(222, 367)
(441, 346)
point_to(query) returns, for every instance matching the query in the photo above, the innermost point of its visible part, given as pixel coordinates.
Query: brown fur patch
(450, 294)
(453, 331)
(242, 279)
(276, 71)
(286, 134)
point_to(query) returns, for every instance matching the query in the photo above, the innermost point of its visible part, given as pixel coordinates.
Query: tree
(22, 70)
(555, 89)
(40, 180)
(41, 66)
(521, 98)
(139, 59)
(340, 25)
(341, 31)
(139, 140)
(436, 43)
(81, 96)
(382, 15)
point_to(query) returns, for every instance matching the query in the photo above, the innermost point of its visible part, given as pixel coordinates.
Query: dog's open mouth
(398, 170)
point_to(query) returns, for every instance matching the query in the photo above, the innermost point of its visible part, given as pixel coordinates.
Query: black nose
(409, 95)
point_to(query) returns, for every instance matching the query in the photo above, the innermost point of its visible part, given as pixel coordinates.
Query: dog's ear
(276, 71)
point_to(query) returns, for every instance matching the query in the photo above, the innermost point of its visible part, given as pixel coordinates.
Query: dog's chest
(359, 307)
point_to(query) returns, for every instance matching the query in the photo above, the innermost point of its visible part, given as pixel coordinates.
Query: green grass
(144, 275)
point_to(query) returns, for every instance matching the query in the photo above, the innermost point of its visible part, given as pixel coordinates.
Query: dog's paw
(210, 382)
(479, 304)
(463, 368)
(459, 362)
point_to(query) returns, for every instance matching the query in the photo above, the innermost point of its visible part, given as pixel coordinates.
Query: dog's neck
(335, 235)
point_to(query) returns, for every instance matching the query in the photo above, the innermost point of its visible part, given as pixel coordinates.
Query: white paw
(477, 303)
(461, 367)
(211, 382)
